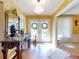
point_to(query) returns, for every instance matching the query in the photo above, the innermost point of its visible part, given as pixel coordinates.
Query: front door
(40, 30)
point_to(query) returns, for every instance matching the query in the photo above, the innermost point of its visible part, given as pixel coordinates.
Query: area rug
(72, 57)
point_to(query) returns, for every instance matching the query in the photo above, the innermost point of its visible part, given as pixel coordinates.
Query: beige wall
(2, 21)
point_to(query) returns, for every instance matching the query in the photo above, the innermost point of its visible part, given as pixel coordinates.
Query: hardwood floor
(44, 51)
(40, 51)
(73, 57)
(73, 48)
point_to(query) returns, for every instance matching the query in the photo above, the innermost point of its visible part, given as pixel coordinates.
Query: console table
(9, 45)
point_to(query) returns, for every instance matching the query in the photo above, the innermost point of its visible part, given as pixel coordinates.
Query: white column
(54, 33)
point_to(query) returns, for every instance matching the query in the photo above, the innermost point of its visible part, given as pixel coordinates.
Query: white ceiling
(27, 7)
(74, 10)
(71, 9)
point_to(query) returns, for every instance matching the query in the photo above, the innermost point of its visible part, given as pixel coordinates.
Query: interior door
(40, 30)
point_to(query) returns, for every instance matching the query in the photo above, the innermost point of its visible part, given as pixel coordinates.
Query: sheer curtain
(64, 27)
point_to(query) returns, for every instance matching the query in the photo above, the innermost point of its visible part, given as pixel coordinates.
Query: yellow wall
(75, 28)
(2, 21)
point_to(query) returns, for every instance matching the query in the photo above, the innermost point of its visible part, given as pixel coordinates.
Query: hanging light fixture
(39, 6)
(38, 0)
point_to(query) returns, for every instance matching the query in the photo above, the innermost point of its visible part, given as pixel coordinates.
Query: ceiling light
(39, 6)
(39, 1)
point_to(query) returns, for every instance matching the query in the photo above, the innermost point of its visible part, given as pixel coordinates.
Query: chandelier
(39, 6)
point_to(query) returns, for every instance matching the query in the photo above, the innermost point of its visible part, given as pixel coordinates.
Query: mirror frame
(7, 12)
